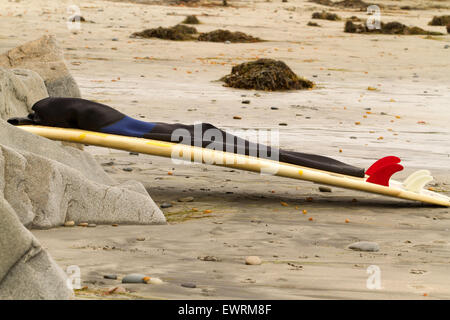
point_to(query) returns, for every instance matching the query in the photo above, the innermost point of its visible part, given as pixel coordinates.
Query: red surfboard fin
(381, 163)
(384, 174)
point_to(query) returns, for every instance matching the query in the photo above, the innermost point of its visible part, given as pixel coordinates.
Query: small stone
(134, 278)
(134, 153)
(127, 169)
(83, 224)
(166, 205)
(274, 108)
(110, 276)
(282, 124)
(69, 223)
(140, 239)
(227, 42)
(364, 246)
(115, 225)
(324, 189)
(186, 199)
(92, 225)
(246, 101)
(114, 39)
(209, 258)
(189, 285)
(152, 280)
(253, 260)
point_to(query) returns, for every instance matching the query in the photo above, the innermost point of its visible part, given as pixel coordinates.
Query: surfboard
(377, 180)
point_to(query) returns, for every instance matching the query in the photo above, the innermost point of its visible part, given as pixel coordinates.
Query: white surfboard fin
(417, 180)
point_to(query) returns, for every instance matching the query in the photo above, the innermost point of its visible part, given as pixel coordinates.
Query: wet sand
(170, 81)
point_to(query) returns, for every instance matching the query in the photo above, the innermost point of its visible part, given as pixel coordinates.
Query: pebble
(110, 276)
(189, 285)
(69, 223)
(152, 280)
(246, 101)
(324, 189)
(209, 258)
(446, 46)
(134, 278)
(127, 169)
(364, 246)
(166, 205)
(134, 153)
(92, 225)
(114, 39)
(83, 224)
(253, 260)
(227, 42)
(282, 124)
(186, 199)
(274, 108)
(140, 239)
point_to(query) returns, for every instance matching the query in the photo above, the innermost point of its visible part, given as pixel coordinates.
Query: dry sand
(174, 81)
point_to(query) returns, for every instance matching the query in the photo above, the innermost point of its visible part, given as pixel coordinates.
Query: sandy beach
(376, 95)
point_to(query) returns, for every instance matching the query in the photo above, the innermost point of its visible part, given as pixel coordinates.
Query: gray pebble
(114, 39)
(127, 169)
(134, 278)
(110, 276)
(166, 205)
(446, 46)
(189, 285)
(364, 246)
(91, 225)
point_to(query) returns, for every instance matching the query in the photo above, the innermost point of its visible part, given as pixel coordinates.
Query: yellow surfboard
(410, 189)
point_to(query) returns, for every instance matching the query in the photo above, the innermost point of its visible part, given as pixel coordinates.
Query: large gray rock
(45, 57)
(26, 270)
(47, 184)
(19, 90)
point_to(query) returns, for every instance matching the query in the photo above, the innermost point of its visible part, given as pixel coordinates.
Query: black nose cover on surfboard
(88, 115)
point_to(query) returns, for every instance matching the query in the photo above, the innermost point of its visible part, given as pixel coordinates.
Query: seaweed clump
(354, 4)
(324, 15)
(178, 32)
(439, 21)
(265, 74)
(221, 35)
(191, 20)
(388, 28)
